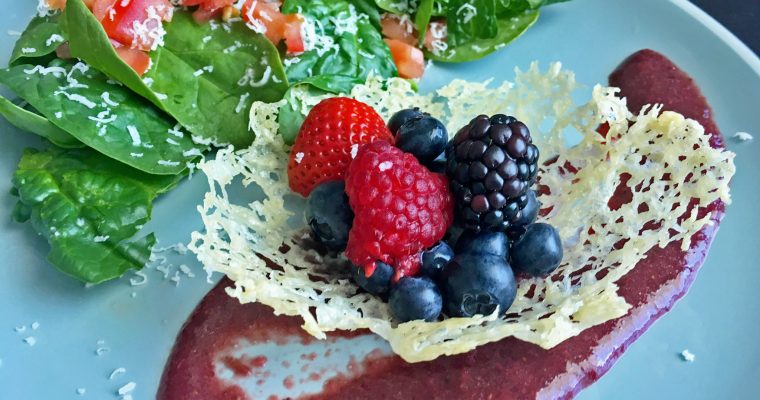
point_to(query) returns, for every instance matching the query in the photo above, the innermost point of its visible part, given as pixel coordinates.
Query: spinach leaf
(469, 20)
(369, 8)
(396, 6)
(103, 115)
(206, 76)
(509, 29)
(31, 122)
(351, 47)
(88, 207)
(40, 39)
(422, 18)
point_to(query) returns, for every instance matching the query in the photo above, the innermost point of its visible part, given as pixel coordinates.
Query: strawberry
(400, 209)
(329, 138)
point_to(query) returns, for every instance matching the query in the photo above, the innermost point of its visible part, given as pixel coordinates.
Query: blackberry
(492, 163)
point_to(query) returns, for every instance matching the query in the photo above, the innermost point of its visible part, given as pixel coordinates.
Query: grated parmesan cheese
(54, 38)
(81, 391)
(106, 96)
(239, 238)
(128, 388)
(143, 279)
(44, 10)
(241, 103)
(743, 136)
(30, 340)
(346, 22)
(687, 356)
(149, 33)
(117, 372)
(100, 239)
(248, 79)
(168, 163)
(467, 12)
(77, 98)
(194, 152)
(134, 134)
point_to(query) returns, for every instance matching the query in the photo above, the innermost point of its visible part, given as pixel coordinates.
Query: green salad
(128, 96)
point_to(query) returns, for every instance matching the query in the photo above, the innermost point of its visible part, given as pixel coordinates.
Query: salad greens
(508, 29)
(40, 38)
(105, 116)
(32, 122)
(205, 76)
(349, 47)
(474, 28)
(422, 18)
(88, 206)
(116, 140)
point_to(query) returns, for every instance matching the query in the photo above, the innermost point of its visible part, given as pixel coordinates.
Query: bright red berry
(329, 138)
(400, 208)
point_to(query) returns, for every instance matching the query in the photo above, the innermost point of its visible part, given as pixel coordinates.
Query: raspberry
(400, 207)
(329, 137)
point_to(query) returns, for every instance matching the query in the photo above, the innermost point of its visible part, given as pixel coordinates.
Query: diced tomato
(265, 18)
(100, 7)
(59, 4)
(409, 60)
(398, 28)
(138, 60)
(122, 15)
(293, 40)
(208, 9)
(436, 31)
(202, 15)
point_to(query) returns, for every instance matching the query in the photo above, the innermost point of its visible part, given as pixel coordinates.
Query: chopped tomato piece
(398, 28)
(208, 9)
(436, 33)
(265, 18)
(293, 40)
(138, 60)
(202, 15)
(60, 4)
(137, 23)
(409, 60)
(99, 7)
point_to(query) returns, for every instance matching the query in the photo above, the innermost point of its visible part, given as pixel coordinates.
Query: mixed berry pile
(434, 227)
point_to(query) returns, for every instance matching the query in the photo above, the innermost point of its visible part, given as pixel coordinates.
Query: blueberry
(435, 259)
(415, 298)
(424, 137)
(329, 216)
(401, 117)
(452, 235)
(438, 165)
(484, 243)
(377, 283)
(478, 284)
(539, 250)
